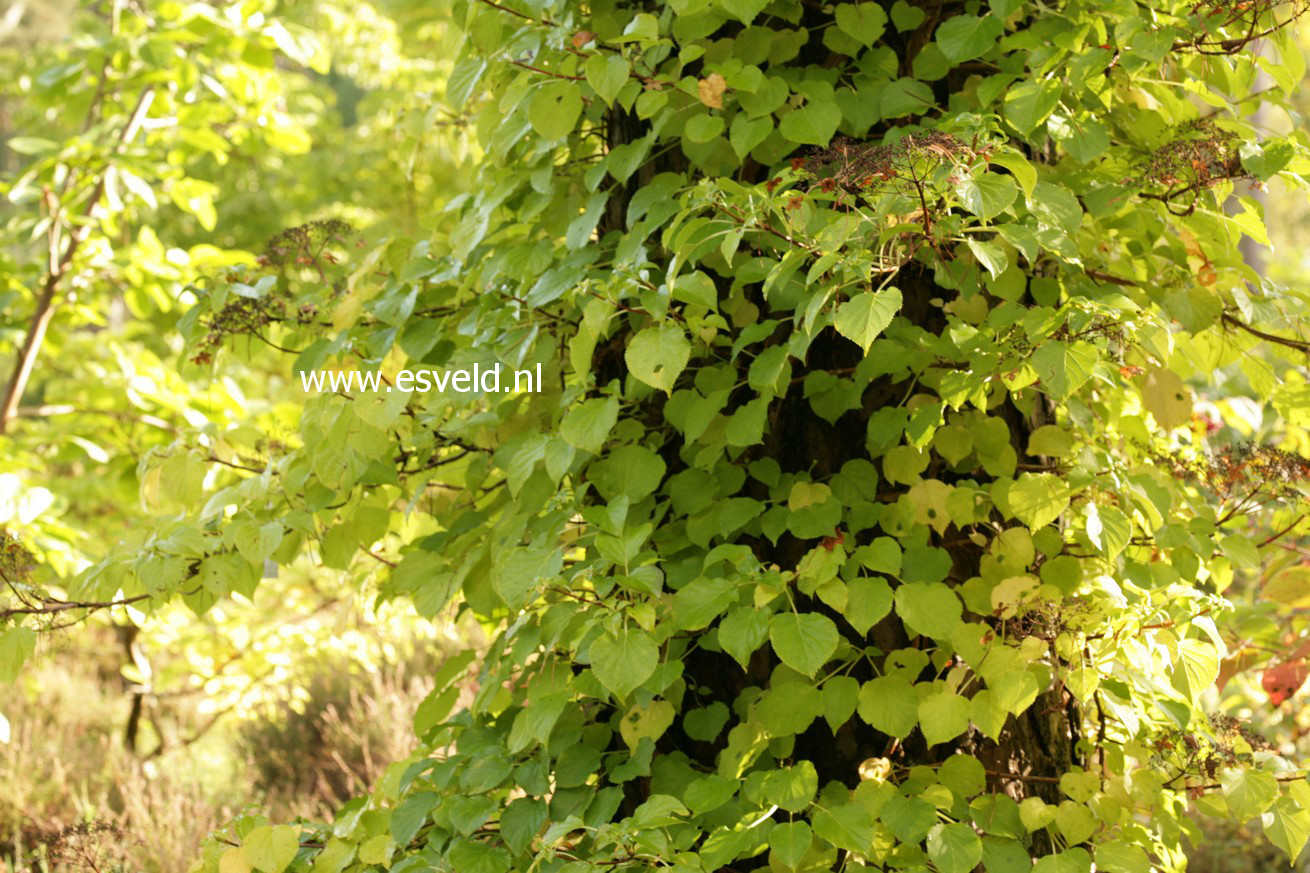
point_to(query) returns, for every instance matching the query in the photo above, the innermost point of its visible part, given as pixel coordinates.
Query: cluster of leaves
(834, 536)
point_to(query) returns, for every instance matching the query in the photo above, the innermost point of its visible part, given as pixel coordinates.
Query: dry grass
(73, 797)
(306, 760)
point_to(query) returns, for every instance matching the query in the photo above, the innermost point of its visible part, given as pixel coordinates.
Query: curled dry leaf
(710, 90)
(1281, 681)
(582, 37)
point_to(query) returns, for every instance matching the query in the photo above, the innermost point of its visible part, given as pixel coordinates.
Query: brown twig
(998, 774)
(1110, 278)
(54, 607)
(375, 556)
(1234, 44)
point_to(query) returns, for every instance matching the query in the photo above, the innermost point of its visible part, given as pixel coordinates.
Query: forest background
(128, 740)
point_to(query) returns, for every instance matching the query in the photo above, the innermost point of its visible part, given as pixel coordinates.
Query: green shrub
(909, 446)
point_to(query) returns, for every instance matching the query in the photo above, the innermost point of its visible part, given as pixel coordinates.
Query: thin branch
(548, 72)
(1234, 44)
(747, 224)
(375, 556)
(259, 336)
(1281, 533)
(54, 607)
(1110, 278)
(433, 463)
(1175, 622)
(516, 13)
(217, 460)
(1215, 786)
(1298, 345)
(51, 410)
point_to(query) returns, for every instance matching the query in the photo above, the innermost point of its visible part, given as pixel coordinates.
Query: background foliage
(918, 477)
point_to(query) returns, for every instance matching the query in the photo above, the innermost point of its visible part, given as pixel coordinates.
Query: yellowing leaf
(806, 494)
(1010, 593)
(657, 355)
(607, 74)
(929, 608)
(233, 860)
(864, 22)
(890, 704)
(943, 716)
(586, 425)
(790, 842)
(1037, 499)
(377, 850)
(271, 849)
(928, 497)
(1167, 398)
(1248, 792)
(1064, 367)
(16, 645)
(646, 722)
(554, 109)
(954, 848)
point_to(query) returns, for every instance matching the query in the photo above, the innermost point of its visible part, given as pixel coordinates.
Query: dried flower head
(1242, 469)
(1199, 155)
(240, 316)
(16, 560)
(857, 166)
(305, 241)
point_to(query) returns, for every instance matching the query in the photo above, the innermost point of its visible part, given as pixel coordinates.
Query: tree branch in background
(52, 410)
(45, 304)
